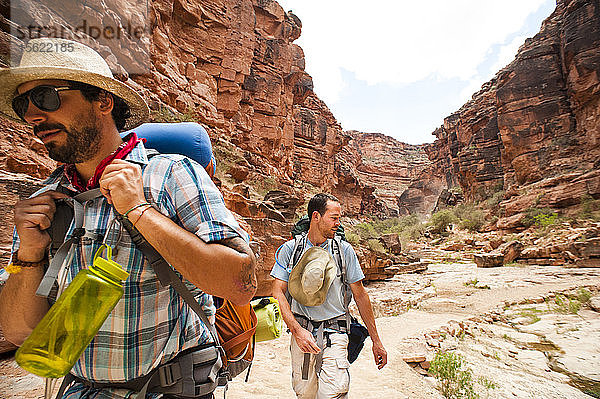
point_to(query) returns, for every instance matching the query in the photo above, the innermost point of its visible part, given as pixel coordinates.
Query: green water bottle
(67, 329)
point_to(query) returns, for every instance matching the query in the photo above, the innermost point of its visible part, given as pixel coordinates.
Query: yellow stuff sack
(270, 323)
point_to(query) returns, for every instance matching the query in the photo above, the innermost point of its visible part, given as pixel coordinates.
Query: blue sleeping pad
(185, 138)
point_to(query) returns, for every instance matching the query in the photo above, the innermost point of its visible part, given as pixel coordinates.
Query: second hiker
(314, 267)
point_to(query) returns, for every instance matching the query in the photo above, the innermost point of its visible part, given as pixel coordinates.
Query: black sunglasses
(44, 97)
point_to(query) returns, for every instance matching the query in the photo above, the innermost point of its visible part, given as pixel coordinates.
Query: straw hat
(311, 278)
(66, 60)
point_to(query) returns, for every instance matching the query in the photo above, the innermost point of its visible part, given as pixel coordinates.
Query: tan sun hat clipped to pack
(311, 278)
(67, 60)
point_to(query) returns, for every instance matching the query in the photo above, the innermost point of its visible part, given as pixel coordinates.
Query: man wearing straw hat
(68, 95)
(318, 316)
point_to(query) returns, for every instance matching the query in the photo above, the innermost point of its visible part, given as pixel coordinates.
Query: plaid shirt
(151, 324)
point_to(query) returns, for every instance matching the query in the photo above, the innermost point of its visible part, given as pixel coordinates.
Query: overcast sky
(399, 67)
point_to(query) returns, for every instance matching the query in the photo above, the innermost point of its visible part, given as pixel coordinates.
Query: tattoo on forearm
(248, 272)
(248, 275)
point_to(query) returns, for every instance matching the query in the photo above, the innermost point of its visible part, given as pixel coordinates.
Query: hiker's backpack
(234, 327)
(299, 235)
(340, 261)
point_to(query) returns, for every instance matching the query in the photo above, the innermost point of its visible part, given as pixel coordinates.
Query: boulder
(490, 259)
(595, 303)
(510, 250)
(391, 242)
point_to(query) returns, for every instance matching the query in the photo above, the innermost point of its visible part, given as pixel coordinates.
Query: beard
(81, 144)
(328, 233)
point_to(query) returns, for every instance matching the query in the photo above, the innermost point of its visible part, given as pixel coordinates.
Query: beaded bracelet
(135, 207)
(17, 265)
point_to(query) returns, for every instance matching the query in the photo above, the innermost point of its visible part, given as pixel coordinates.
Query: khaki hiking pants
(333, 381)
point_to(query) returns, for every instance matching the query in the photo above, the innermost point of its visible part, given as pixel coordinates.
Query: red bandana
(129, 142)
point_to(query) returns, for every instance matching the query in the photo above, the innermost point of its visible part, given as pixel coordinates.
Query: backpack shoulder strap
(59, 227)
(341, 261)
(166, 275)
(151, 153)
(299, 244)
(339, 257)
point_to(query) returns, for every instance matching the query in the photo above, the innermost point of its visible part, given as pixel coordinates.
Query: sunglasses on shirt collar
(44, 97)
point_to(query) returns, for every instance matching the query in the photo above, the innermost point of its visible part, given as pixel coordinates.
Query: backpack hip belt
(337, 323)
(191, 374)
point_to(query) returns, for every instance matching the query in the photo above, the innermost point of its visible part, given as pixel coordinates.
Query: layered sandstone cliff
(229, 64)
(386, 166)
(533, 130)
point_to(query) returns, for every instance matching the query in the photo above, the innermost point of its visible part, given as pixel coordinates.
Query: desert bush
(590, 208)
(456, 190)
(365, 230)
(407, 227)
(564, 304)
(352, 238)
(266, 184)
(456, 381)
(495, 199)
(541, 217)
(441, 220)
(412, 232)
(375, 245)
(532, 314)
(583, 295)
(571, 303)
(470, 218)
(164, 114)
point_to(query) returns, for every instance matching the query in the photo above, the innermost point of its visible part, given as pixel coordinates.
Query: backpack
(300, 243)
(194, 372)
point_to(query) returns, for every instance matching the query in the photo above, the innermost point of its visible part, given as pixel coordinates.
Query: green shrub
(456, 381)
(541, 217)
(470, 218)
(494, 199)
(266, 184)
(412, 232)
(487, 383)
(441, 220)
(590, 208)
(563, 304)
(375, 245)
(353, 238)
(407, 227)
(583, 295)
(571, 304)
(532, 314)
(164, 114)
(456, 190)
(366, 230)
(546, 220)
